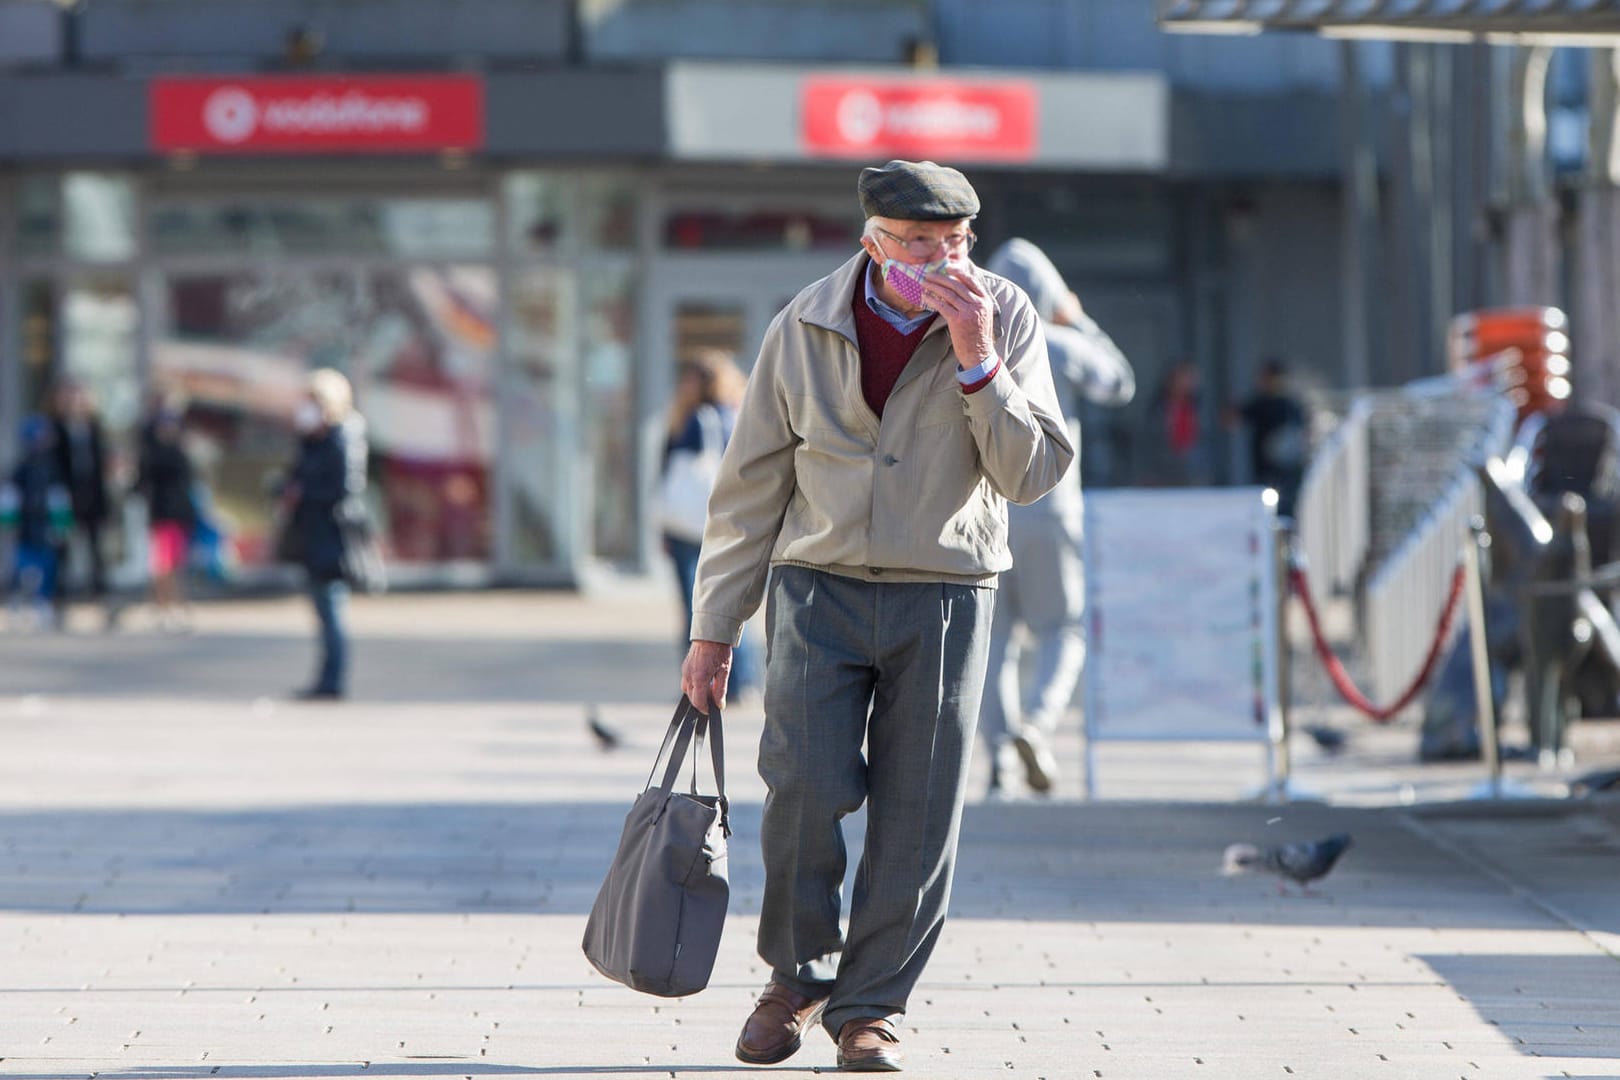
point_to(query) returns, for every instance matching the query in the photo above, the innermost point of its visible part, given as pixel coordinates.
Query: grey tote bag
(655, 926)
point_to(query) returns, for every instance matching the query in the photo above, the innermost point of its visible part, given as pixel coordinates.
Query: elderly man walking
(896, 406)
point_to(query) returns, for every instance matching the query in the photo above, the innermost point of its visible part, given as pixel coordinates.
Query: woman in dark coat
(330, 471)
(81, 462)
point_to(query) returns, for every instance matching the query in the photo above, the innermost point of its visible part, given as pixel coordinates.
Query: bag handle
(717, 758)
(688, 724)
(679, 733)
(710, 724)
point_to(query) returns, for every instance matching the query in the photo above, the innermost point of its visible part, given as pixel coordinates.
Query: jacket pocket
(944, 407)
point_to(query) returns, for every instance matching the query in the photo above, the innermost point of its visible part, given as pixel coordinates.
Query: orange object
(1524, 350)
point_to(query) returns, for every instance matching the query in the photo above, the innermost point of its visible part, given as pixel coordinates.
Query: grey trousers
(899, 666)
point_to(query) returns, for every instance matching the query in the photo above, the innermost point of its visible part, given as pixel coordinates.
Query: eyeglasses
(954, 244)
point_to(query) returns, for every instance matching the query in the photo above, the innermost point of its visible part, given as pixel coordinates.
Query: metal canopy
(1595, 22)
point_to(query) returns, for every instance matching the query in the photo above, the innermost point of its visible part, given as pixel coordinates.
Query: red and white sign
(318, 114)
(977, 120)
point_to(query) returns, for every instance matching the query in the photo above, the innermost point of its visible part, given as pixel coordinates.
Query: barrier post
(1282, 762)
(1479, 540)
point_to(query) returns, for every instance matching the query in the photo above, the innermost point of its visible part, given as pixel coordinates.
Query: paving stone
(194, 885)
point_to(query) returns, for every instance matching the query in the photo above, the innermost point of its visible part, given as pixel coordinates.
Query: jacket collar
(829, 302)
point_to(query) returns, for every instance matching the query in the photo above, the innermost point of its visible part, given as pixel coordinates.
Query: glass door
(539, 402)
(724, 301)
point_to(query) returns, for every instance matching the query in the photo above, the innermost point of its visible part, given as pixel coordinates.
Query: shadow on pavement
(454, 1067)
(388, 670)
(1549, 1006)
(1061, 862)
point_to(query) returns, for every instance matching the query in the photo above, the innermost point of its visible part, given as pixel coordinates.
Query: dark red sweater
(885, 351)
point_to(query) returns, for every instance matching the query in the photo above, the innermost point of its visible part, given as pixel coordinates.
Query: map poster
(1181, 614)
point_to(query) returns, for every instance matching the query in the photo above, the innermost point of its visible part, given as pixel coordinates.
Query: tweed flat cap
(916, 191)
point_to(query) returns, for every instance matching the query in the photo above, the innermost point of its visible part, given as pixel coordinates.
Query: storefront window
(39, 216)
(425, 372)
(412, 228)
(540, 213)
(99, 209)
(236, 347)
(608, 212)
(712, 229)
(550, 212)
(539, 402)
(101, 324)
(39, 332)
(417, 342)
(610, 408)
(700, 325)
(438, 228)
(85, 327)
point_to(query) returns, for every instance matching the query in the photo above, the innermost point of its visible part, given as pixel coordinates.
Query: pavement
(199, 878)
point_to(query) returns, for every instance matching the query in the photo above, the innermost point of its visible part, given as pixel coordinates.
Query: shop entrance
(725, 302)
(717, 301)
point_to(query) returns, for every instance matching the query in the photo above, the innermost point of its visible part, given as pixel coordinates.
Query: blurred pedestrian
(164, 479)
(709, 389)
(1279, 435)
(35, 507)
(1178, 456)
(327, 480)
(895, 407)
(81, 462)
(1043, 595)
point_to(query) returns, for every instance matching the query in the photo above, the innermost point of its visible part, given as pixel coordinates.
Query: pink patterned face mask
(907, 279)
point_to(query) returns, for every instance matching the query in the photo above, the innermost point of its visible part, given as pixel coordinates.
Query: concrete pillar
(1594, 314)
(1530, 238)
(1404, 296)
(1358, 199)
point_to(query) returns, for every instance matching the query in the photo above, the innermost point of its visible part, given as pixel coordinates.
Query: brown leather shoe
(866, 1044)
(776, 1027)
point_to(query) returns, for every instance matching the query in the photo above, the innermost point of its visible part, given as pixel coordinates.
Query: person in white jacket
(1043, 596)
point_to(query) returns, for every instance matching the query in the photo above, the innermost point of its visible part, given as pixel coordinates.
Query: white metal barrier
(1332, 522)
(1407, 593)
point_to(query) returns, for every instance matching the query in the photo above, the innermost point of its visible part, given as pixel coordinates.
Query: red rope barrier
(1341, 678)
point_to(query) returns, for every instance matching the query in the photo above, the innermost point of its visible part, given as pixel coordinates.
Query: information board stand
(1182, 620)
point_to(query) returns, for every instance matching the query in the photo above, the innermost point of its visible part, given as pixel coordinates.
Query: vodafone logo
(231, 115)
(971, 119)
(860, 116)
(315, 114)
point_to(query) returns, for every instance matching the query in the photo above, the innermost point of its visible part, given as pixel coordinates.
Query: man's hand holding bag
(656, 922)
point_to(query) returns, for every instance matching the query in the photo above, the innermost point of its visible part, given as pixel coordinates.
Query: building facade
(507, 221)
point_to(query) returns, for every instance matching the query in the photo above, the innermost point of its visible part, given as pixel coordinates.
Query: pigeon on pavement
(1301, 863)
(1329, 740)
(606, 737)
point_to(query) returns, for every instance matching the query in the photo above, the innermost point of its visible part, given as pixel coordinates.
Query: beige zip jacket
(813, 478)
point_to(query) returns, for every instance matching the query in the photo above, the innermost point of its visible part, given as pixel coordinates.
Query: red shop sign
(945, 118)
(318, 114)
